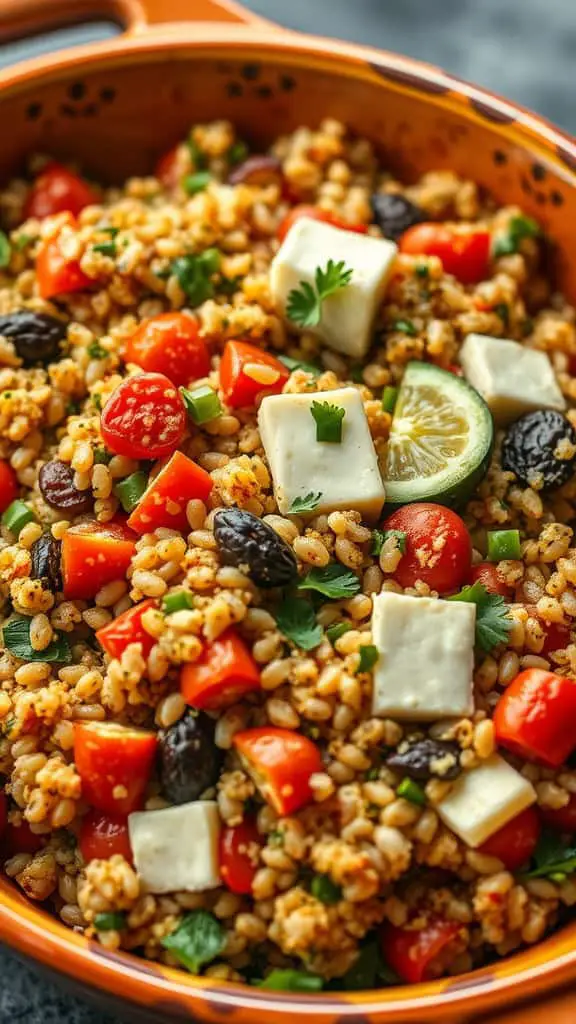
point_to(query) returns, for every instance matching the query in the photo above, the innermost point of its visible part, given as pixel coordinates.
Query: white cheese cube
(346, 474)
(483, 799)
(425, 657)
(511, 378)
(176, 849)
(348, 315)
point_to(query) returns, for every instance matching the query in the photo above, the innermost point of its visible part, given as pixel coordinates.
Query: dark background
(523, 49)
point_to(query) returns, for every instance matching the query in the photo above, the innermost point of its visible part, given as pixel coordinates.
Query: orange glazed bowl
(115, 107)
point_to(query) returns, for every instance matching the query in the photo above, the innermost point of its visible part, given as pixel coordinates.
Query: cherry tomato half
(535, 716)
(516, 841)
(8, 485)
(103, 836)
(170, 344)
(464, 253)
(164, 501)
(55, 190)
(239, 856)
(247, 371)
(438, 546)
(144, 418)
(280, 762)
(224, 672)
(416, 955)
(486, 573)
(57, 273)
(315, 213)
(127, 629)
(563, 819)
(94, 554)
(115, 763)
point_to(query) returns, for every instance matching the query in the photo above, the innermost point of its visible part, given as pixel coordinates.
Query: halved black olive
(532, 449)
(245, 542)
(35, 336)
(426, 758)
(189, 760)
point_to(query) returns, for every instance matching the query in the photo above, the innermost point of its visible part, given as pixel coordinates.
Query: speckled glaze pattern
(96, 104)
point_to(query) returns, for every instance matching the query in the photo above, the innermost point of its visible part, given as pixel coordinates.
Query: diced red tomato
(563, 819)
(127, 629)
(416, 955)
(486, 573)
(21, 839)
(115, 763)
(516, 841)
(57, 273)
(247, 371)
(168, 168)
(165, 500)
(8, 485)
(222, 675)
(315, 213)
(170, 344)
(55, 190)
(94, 554)
(3, 812)
(464, 253)
(438, 546)
(535, 717)
(239, 855)
(144, 418)
(103, 836)
(280, 763)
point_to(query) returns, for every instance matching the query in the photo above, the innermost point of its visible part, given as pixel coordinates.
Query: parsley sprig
(328, 419)
(305, 303)
(553, 858)
(518, 229)
(307, 503)
(493, 624)
(297, 621)
(332, 581)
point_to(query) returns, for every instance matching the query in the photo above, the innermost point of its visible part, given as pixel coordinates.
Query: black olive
(46, 555)
(531, 449)
(426, 758)
(394, 214)
(36, 336)
(247, 543)
(189, 760)
(56, 481)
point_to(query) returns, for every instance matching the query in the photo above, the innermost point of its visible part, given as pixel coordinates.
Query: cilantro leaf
(291, 980)
(337, 630)
(105, 248)
(95, 351)
(379, 538)
(197, 940)
(368, 971)
(16, 635)
(518, 229)
(307, 503)
(406, 327)
(368, 658)
(493, 624)
(194, 272)
(332, 279)
(328, 419)
(111, 922)
(300, 364)
(553, 857)
(332, 580)
(304, 305)
(297, 621)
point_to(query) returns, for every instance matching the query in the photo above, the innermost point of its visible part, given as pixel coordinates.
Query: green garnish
(368, 971)
(102, 456)
(130, 490)
(379, 537)
(113, 922)
(237, 153)
(95, 351)
(297, 621)
(493, 623)
(199, 158)
(389, 398)
(194, 273)
(178, 602)
(106, 248)
(22, 240)
(503, 544)
(333, 580)
(328, 419)
(202, 404)
(300, 364)
(16, 635)
(357, 374)
(228, 285)
(337, 630)
(290, 980)
(411, 791)
(307, 503)
(305, 303)
(108, 229)
(5, 250)
(96, 402)
(197, 940)
(406, 327)
(422, 270)
(368, 658)
(518, 229)
(553, 857)
(197, 182)
(325, 890)
(502, 310)
(17, 515)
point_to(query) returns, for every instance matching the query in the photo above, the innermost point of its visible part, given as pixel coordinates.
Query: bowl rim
(39, 935)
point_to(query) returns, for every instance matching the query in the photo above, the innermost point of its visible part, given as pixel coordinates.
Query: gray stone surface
(523, 49)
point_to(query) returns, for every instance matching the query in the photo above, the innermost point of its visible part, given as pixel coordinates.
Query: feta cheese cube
(425, 657)
(176, 849)
(511, 378)
(483, 799)
(346, 474)
(348, 315)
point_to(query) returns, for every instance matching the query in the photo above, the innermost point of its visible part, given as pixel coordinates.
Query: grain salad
(287, 479)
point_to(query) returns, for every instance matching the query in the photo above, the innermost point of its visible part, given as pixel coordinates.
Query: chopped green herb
(105, 248)
(357, 374)
(297, 621)
(197, 182)
(502, 310)
(324, 889)
(368, 971)
(307, 503)
(178, 602)
(328, 419)
(197, 940)
(406, 327)
(305, 304)
(389, 398)
(22, 240)
(503, 544)
(96, 402)
(337, 630)
(237, 153)
(199, 158)
(16, 635)
(411, 791)
(378, 538)
(493, 624)
(228, 285)
(368, 658)
(300, 364)
(113, 922)
(130, 490)
(379, 541)
(108, 229)
(290, 980)
(202, 404)
(95, 351)
(5, 250)
(333, 580)
(17, 515)
(194, 274)
(422, 270)
(518, 229)
(553, 857)
(102, 456)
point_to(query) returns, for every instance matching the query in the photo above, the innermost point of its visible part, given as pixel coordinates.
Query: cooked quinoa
(367, 853)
